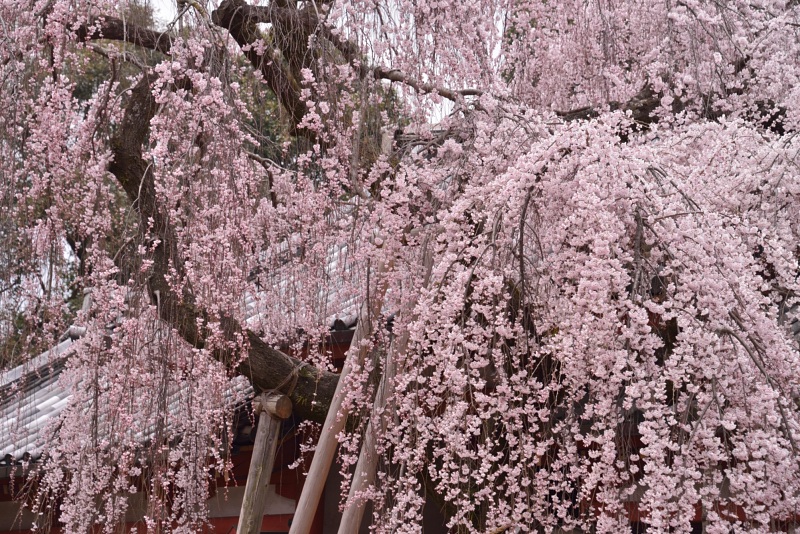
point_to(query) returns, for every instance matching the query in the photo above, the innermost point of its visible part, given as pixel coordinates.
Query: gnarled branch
(115, 29)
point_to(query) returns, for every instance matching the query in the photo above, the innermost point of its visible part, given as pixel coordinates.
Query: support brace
(272, 409)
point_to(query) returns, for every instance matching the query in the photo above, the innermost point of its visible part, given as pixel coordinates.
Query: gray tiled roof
(32, 397)
(334, 299)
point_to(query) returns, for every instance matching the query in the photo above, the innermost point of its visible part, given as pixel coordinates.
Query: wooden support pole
(328, 441)
(367, 464)
(335, 420)
(368, 456)
(272, 409)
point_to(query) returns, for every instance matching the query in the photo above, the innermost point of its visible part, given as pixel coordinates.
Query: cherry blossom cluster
(572, 228)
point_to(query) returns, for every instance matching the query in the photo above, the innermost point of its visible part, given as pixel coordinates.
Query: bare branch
(397, 76)
(115, 29)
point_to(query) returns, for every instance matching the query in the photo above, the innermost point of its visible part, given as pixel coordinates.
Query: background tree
(598, 239)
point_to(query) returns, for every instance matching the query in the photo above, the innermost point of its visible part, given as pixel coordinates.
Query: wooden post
(335, 420)
(328, 441)
(367, 464)
(272, 410)
(368, 456)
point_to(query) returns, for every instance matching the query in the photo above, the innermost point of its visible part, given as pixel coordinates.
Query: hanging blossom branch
(240, 19)
(266, 366)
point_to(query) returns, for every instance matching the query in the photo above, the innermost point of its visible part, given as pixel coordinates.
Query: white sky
(165, 11)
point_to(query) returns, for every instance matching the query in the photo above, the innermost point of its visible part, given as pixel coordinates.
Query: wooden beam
(272, 409)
